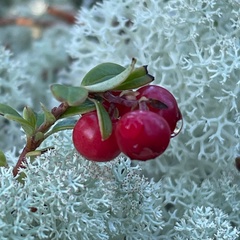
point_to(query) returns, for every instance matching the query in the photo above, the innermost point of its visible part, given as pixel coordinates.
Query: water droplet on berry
(178, 128)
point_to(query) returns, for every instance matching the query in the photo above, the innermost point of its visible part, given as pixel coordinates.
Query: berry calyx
(142, 135)
(88, 141)
(122, 103)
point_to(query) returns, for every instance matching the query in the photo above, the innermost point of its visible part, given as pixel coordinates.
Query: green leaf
(85, 107)
(137, 78)
(26, 126)
(106, 76)
(3, 160)
(5, 109)
(74, 96)
(11, 114)
(33, 154)
(21, 176)
(104, 120)
(30, 116)
(40, 119)
(48, 116)
(101, 73)
(39, 136)
(62, 125)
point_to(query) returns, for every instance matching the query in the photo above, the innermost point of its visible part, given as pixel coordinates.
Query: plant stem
(67, 17)
(119, 100)
(32, 144)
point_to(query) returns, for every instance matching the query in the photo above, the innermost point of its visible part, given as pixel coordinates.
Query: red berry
(172, 113)
(142, 135)
(88, 141)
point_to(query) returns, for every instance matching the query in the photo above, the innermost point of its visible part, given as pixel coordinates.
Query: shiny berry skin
(88, 142)
(142, 135)
(172, 113)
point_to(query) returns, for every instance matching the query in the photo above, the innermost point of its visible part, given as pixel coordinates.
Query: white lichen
(67, 197)
(192, 190)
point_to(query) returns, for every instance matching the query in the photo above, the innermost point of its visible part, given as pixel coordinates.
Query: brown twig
(23, 21)
(63, 15)
(30, 22)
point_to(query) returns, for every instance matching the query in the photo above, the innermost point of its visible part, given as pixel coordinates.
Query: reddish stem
(65, 16)
(68, 17)
(32, 144)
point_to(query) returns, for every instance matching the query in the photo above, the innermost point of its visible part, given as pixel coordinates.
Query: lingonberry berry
(88, 141)
(142, 135)
(172, 113)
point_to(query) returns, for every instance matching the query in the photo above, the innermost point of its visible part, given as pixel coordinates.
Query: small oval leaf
(21, 177)
(101, 73)
(5, 109)
(26, 126)
(48, 116)
(3, 160)
(104, 79)
(38, 152)
(34, 153)
(11, 114)
(62, 125)
(39, 136)
(70, 94)
(137, 78)
(30, 116)
(104, 120)
(85, 107)
(40, 119)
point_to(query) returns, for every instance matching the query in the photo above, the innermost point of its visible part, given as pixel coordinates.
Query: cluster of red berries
(143, 123)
